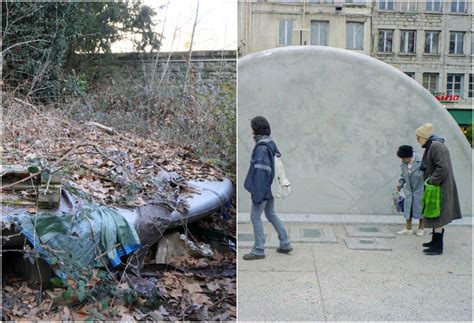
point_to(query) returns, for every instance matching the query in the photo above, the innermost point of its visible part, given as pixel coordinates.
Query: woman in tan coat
(437, 168)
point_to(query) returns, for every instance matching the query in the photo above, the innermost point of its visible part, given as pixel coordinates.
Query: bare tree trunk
(153, 74)
(190, 49)
(165, 69)
(149, 79)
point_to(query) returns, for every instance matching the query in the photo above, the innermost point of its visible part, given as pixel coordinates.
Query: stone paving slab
(299, 260)
(372, 244)
(369, 231)
(246, 240)
(312, 235)
(244, 218)
(278, 296)
(406, 257)
(396, 297)
(350, 285)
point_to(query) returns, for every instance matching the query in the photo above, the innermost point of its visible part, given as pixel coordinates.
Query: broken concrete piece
(45, 194)
(169, 246)
(176, 245)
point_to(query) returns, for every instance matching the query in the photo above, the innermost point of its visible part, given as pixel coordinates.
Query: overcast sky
(216, 28)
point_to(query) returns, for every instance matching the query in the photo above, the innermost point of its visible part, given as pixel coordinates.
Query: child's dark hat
(405, 151)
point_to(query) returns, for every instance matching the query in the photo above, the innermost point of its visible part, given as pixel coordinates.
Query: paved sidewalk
(328, 281)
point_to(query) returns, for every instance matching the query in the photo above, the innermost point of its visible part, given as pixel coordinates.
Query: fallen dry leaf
(213, 286)
(79, 316)
(193, 288)
(127, 318)
(199, 298)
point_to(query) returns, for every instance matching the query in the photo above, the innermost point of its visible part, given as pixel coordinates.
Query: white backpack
(280, 184)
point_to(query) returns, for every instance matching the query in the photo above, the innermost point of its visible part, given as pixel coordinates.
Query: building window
(408, 5)
(321, 1)
(471, 86)
(458, 6)
(385, 40)
(407, 41)
(356, 1)
(355, 35)
(433, 5)
(285, 30)
(410, 74)
(454, 86)
(456, 42)
(472, 42)
(319, 33)
(386, 4)
(431, 82)
(432, 42)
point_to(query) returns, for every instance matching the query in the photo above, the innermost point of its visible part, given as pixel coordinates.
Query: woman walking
(438, 171)
(258, 182)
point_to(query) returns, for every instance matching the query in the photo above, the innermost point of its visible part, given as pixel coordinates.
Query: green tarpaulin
(95, 231)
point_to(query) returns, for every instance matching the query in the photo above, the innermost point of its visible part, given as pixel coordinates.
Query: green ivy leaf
(53, 261)
(57, 282)
(81, 295)
(105, 303)
(67, 294)
(45, 176)
(33, 169)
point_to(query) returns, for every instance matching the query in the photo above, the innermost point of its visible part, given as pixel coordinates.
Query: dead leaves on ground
(19, 301)
(116, 169)
(113, 168)
(208, 299)
(182, 295)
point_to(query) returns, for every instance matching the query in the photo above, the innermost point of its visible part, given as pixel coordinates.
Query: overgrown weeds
(203, 115)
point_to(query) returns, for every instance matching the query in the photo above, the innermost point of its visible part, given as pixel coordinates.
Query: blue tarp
(81, 238)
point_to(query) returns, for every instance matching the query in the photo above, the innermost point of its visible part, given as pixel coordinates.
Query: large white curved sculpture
(338, 118)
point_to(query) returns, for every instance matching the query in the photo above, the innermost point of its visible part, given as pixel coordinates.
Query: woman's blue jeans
(255, 216)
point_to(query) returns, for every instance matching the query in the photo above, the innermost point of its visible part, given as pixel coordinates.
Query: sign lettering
(447, 98)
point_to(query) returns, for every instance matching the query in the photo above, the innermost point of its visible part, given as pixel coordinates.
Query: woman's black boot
(427, 244)
(436, 247)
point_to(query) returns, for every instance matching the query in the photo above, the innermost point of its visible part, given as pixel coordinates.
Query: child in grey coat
(411, 181)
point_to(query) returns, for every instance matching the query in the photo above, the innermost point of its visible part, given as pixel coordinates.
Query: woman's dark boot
(436, 247)
(427, 244)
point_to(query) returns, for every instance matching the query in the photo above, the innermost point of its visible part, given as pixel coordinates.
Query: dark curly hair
(260, 126)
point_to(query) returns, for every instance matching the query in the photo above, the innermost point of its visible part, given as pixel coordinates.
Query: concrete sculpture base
(338, 118)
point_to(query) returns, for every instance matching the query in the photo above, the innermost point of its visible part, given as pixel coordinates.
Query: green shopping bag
(431, 201)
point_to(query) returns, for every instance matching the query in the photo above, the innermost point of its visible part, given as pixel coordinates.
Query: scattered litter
(197, 251)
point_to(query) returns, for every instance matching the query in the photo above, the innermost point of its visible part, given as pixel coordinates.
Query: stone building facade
(430, 40)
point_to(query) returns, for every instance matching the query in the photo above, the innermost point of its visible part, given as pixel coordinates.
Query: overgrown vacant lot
(117, 168)
(114, 133)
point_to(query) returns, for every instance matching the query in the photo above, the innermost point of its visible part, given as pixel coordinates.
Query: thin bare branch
(21, 44)
(191, 48)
